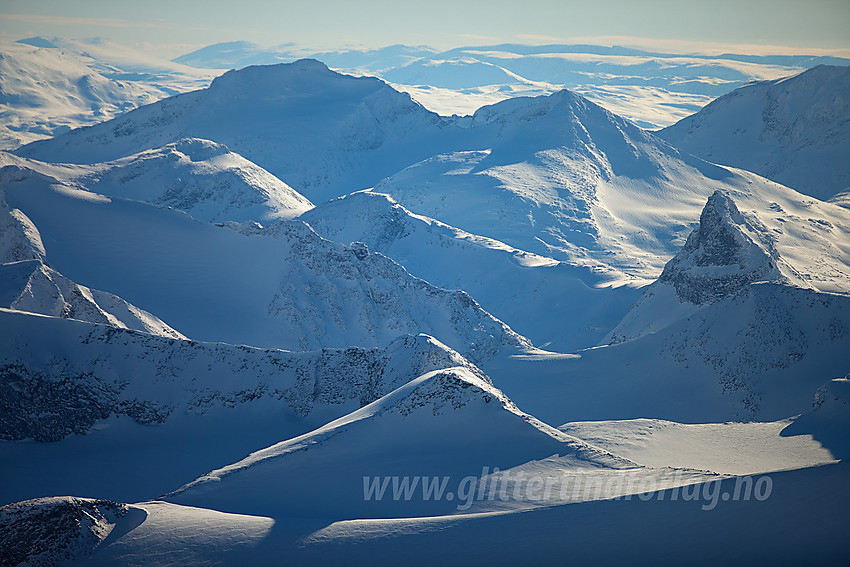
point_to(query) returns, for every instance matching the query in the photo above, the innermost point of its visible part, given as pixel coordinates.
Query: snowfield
(296, 316)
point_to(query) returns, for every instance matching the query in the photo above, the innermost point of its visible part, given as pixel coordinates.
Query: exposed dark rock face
(725, 253)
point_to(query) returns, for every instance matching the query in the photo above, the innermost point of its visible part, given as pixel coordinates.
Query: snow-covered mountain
(736, 328)
(653, 89)
(444, 423)
(794, 130)
(280, 287)
(33, 287)
(535, 294)
(323, 133)
(51, 86)
(28, 284)
(199, 177)
(567, 179)
(726, 252)
(92, 372)
(392, 430)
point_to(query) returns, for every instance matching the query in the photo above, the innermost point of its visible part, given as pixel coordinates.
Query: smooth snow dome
(202, 178)
(794, 130)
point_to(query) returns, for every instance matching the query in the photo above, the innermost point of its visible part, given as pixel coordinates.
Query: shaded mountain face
(322, 132)
(28, 284)
(795, 130)
(535, 293)
(303, 292)
(107, 371)
(33, 287)
(51, 531)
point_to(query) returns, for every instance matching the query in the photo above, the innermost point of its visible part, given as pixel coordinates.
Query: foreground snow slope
(284, 287)
(559, 307)
(134, 415)
(323, 133)
(447, 423)
(794, 130)
(802, 521)
(198, 177)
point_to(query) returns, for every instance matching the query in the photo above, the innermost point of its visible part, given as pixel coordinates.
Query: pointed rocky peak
(727, 251)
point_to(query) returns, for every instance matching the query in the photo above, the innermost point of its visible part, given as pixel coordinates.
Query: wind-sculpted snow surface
(61, 377)
(794, 130)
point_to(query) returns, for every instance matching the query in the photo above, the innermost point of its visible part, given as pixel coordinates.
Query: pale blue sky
(802, 25)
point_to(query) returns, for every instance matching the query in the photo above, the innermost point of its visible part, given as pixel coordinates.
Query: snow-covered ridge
(444, 421)
(794, 130)
(202, 178)
(303, 292)
(28, 284)
(82, 373)
(534, 293)
(321, 132)
(33, 287)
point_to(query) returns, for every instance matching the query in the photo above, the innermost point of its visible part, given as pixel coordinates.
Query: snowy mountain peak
(322, 132)
(19, 238)
(440, 421)
(726, 252)
(34, 287)
(282, 74)
(794, 130)
(199, 177)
